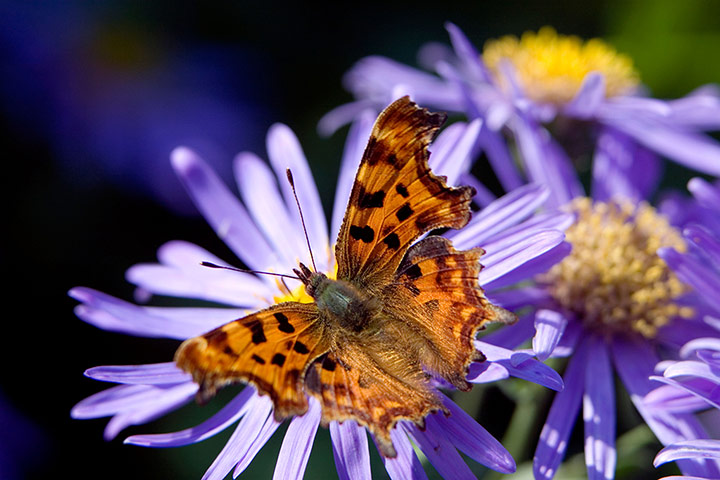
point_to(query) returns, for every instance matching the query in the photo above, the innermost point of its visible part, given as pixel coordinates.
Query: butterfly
(397, 315)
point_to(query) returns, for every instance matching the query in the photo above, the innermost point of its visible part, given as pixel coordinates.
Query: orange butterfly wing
(351, 384)
(270, 349)
(395, 197)
(436, 287)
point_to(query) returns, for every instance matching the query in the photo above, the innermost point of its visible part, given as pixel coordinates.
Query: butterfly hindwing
(351, 384)
(395, 197)
(270, 349)
(436, 288)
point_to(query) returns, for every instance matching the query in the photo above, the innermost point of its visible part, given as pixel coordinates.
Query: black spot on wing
(371, 200)
(301, 348)
(365, 234)
(329, 364)
(284, 324)
(404, 212)
(402, 190)
(413, 272)
(258, 359)
(392, 241)
(278, 359)
(258, 335)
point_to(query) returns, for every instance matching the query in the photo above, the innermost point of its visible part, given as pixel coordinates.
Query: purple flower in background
(552, 95)
(112, 100)
(265, 233)
(611, 306)
(693, 383)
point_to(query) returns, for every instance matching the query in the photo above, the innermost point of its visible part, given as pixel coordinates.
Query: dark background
(93, 96)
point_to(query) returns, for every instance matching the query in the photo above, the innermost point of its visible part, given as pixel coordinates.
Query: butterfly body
(397, 315)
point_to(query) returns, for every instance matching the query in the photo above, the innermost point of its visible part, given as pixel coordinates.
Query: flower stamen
(613, 280)
(552, 67)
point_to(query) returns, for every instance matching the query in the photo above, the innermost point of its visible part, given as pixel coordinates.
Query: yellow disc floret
(614, 281)
(551, 67)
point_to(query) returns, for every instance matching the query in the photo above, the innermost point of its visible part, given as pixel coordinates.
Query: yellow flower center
(613, 281)
(297, 294)
(551, 67)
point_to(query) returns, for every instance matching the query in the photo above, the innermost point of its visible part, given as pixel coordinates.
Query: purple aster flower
(612, 305)
(693, 383)
(550, 93)
(265, 233)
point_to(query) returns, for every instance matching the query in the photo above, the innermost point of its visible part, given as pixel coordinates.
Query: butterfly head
(311, 280)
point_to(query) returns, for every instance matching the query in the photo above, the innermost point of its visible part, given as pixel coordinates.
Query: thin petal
(599, 413)
(406, 465)
(242, 439)
(451, 157)
(222, 210)
(561, 418)
(181, 274)
(151, 374)
(228, 415)
(285, 152)
(588, 98)
(258, 188)
(688, 449)
(110, 313)
(350, 450)
(531, 370)
(341, 115)
(439, 450)
(467, 54)
(549, 327)
(472, 439)
(297, 444)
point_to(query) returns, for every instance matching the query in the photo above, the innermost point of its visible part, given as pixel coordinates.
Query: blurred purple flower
(612, 305)
(264, 231)
(693, 383)
(113, 99)
(543, 90)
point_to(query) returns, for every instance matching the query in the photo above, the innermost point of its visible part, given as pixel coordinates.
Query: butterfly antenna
(302, 220)
(282, 275)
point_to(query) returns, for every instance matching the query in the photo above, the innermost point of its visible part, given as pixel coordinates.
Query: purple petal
(699, 111)
(500, 158)
(501, 262)
(634, 362)
(342, 115)
(531, 370)
(258, 188)
(110, 313)
(549, 327)
(702, 388)
(505, 212)
(540, 264)
(467, 54)
(350, 450)
(229, 414)
(406, 465)
(688, 148)
(545, 163)
(512, 336)
(152, 374)
(517, 298)
(486, 372)
(267, 431)
(439, 450)
(242, 439)
(694, 272)
(354, 147)
(705, 193)
(688, 449)
(472, 439)
(222, 210)
(297, 444)
(561, 418)
(451, 154)
(599, 413)
(588, 98)
(622, 168)
(161, 403)
(284, 151)
(673, 399)
(181, 274)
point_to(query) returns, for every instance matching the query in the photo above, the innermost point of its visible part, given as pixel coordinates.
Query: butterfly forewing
(270, 349)
(395, 197)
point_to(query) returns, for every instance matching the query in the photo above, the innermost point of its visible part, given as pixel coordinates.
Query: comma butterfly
(397, 314)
